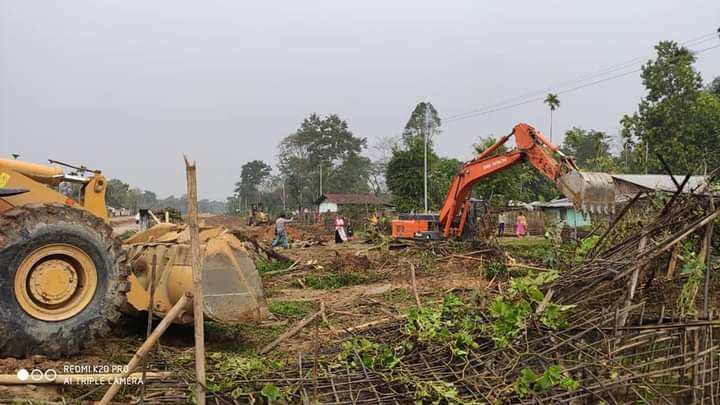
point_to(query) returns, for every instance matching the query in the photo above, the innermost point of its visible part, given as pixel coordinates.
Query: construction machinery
(258, 216)
(64, 277)
(593, 192)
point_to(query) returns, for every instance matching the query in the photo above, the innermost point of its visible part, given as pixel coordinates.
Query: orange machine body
(412, 226)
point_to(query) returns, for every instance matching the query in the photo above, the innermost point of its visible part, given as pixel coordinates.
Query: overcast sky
(129, 86)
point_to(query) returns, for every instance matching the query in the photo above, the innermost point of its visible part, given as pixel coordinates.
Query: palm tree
(553, 102)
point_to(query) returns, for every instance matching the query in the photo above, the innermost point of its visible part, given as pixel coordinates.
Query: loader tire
(63, 279)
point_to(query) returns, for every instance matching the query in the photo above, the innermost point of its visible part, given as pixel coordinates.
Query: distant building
(561, 211)
(336, 202)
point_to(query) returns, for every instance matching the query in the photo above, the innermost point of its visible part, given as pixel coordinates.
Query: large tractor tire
(63, 279)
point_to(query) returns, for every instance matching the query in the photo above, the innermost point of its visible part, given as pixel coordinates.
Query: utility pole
(284, 197)
(321, 191)
(425, 162)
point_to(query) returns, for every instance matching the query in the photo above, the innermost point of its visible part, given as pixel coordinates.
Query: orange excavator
(593, 192)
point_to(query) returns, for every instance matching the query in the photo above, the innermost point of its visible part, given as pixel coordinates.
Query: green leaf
(271, 392)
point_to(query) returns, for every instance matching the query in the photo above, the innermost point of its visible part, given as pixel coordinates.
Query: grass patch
(292, 309)
(534, 250)
(266, 267)
(332, 280)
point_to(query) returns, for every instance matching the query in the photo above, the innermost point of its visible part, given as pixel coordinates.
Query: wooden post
(414, 286)
(198, 305)
(149, 343)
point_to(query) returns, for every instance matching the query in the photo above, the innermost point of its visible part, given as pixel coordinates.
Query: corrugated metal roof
(558, 203)
(660, 182)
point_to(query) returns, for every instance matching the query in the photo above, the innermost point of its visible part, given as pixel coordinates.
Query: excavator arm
(589, 191)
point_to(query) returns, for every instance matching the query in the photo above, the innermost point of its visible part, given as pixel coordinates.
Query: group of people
(521, 225)
(343, 230)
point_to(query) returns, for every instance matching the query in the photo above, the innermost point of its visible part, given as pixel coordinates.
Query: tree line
(121, 195)
(679, 118)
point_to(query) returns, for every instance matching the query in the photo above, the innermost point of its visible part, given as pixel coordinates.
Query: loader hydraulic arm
(531, 147)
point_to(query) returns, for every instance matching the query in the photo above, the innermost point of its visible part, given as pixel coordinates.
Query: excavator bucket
(232, 289)
(590, 191)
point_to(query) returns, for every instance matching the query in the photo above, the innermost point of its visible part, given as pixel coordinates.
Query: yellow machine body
(39, 181)
(232, 287)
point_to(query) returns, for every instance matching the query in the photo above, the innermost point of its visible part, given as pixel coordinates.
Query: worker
(348, 228)
(281, 237)
(502, 218)
(521, 225)
(340, 235)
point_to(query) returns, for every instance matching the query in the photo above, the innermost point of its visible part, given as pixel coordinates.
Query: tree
(440, 176)
(116, 194)
(714, 87)
(553, 102)
(423, 119)
(382, 152)
(404, 174)
(323, 146)
(676, 119)
(251, 175)
(586, 145)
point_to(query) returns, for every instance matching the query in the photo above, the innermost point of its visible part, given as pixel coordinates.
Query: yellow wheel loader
(258, 216)
(65, 279)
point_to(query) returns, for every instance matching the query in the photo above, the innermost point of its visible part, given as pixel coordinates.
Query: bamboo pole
(198, 310)
(147, 345)
(295, 329)
(414, 286)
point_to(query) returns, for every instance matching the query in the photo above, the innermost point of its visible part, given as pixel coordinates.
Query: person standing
(521, 225)
(502, 219)
(281, 237)
(340, 235)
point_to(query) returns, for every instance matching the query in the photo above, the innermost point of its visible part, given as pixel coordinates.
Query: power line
(503, 106)
(583, 78)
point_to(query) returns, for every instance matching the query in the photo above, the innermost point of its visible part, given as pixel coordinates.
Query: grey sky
(129, 86)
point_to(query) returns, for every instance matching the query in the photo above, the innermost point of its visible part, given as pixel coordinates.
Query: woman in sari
(521, 225)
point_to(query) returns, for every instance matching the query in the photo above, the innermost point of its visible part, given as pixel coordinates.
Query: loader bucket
(232, 289)
(589, 191)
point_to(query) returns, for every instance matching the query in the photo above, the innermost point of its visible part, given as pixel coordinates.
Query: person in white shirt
(281, 237)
